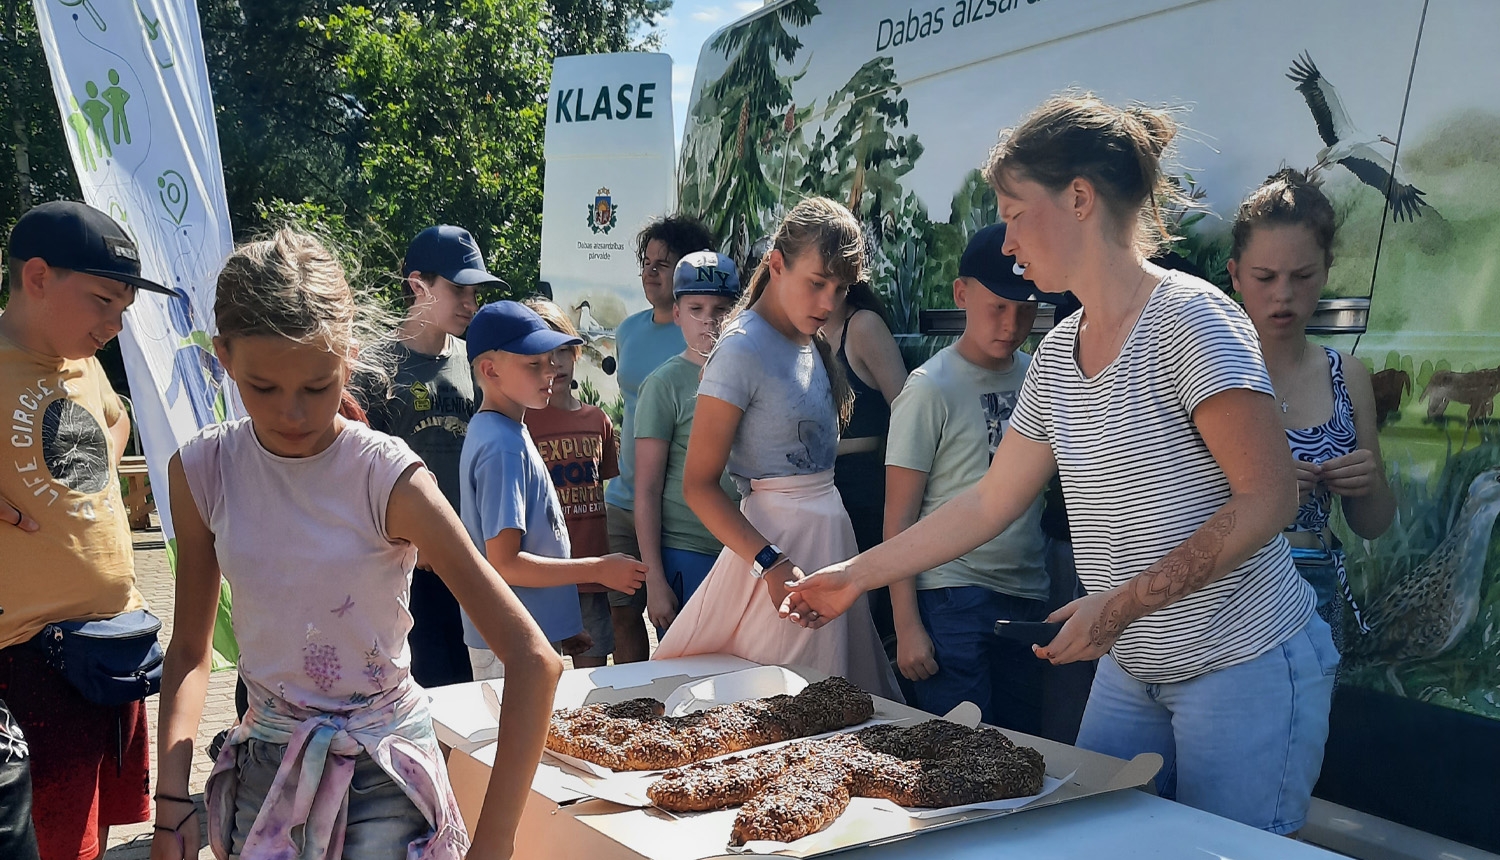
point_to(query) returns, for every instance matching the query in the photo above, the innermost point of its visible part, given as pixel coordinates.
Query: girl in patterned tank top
(1283, 246)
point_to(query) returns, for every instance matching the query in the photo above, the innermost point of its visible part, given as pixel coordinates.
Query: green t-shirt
(947, 422)
(664, 410)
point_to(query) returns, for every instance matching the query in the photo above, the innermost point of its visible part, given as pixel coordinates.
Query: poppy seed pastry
(635, 735)
(799, 789)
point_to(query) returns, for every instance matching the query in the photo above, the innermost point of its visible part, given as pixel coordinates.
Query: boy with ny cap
(677, 549)
(945, 426)
(428, 404)
(67, 552)
(508, 502)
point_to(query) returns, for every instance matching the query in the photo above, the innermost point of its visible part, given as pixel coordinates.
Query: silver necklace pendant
(1283, 407)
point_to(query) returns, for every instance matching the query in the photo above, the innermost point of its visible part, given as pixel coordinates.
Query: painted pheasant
(1424, 613)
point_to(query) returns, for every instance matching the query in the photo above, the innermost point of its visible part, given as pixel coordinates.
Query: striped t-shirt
(1139, 480)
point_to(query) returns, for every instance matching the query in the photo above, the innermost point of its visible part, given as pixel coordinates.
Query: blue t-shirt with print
(506, 485)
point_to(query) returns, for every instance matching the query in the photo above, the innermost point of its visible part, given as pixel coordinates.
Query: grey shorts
(621, 525)
(382, 819)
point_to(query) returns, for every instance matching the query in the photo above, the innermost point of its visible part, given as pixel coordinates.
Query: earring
(1080, 215)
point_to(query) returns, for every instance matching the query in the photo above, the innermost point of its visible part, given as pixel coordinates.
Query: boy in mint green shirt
(675, 547)
(945, 426)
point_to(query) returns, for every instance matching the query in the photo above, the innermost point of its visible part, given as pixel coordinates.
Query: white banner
(610, 169)
(132, 87)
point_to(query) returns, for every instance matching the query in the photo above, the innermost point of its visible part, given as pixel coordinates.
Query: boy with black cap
(677, 549)
(73, 272)
(945, 426)
(428, 404)
(509, 504)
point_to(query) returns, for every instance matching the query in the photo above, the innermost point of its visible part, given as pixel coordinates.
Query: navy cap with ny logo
(705, 273)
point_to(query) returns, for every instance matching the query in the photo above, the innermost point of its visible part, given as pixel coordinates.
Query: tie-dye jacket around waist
(311, 788)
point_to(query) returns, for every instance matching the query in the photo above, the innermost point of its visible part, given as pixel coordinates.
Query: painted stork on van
(1348, 146)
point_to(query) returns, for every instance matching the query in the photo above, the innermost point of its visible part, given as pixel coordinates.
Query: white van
(891, 107)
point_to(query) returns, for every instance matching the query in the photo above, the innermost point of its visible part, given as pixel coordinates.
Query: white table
(1122, 825)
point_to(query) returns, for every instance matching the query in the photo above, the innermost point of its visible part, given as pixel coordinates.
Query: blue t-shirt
(643, 345)
(505, 485)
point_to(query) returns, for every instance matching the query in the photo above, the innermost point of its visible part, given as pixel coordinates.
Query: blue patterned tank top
(1333, 438)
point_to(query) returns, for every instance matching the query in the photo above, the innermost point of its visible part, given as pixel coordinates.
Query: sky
(684, 30)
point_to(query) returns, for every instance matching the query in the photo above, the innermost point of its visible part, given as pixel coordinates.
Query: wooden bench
(139, 503)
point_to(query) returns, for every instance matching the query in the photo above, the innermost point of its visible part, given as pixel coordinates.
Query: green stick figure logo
(173, 194)
(116, 97)
(87, 120)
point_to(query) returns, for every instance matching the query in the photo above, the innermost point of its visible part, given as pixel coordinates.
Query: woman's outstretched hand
(1091, 625)
(820, 597)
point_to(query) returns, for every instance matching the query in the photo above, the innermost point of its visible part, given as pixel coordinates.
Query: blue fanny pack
(110, 661)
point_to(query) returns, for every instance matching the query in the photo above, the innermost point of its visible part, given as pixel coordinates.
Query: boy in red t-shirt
(577, 442)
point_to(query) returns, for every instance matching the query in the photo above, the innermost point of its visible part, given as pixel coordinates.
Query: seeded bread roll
(799, 789)
(634, 735)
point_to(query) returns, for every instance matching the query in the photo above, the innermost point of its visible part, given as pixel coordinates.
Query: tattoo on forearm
(1183, 571)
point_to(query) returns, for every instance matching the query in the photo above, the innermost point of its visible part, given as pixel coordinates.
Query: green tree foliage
(474, 159)
(364, 121)
(604, 26)
(36, 162)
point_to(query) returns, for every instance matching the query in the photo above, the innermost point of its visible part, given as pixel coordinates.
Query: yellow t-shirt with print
(57, 465)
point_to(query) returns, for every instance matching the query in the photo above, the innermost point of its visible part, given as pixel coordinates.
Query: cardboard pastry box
(566, 820)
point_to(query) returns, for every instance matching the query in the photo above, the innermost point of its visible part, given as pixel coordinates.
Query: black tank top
(871, 415)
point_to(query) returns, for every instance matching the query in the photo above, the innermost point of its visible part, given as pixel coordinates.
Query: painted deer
(1477, 389)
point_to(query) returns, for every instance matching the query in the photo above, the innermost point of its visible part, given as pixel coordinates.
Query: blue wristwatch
(766, 559)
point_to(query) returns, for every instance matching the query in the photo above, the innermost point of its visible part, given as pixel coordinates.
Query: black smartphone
(1028, 632)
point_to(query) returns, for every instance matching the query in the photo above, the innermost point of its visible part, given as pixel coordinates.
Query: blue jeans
(1001, 676)
(1244, 742)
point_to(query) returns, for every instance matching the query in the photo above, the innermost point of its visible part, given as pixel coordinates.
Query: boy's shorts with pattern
(89, 763)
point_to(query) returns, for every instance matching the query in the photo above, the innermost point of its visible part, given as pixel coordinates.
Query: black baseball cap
(450, 252)
(80, 238)
(512, 327)
(985, 262)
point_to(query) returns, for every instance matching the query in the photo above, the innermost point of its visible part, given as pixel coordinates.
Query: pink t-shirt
(320, 591)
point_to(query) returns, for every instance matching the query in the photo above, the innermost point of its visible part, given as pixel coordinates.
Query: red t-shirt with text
(581, 451)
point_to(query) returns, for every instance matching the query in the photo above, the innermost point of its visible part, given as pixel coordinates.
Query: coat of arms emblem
(603, 215)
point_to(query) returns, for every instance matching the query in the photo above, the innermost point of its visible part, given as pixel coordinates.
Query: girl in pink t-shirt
(315, 521)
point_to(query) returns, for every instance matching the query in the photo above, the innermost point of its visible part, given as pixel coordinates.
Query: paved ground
(154, 578)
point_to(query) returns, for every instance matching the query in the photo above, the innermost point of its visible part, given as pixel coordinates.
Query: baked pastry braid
(798, 790)
(634, 735)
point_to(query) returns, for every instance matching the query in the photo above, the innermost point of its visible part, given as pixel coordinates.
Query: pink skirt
(730, 613)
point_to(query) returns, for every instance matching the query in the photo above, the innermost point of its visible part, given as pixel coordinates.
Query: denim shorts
(382, 819)
(597, 622)
(1324, 571)
(1244, 742)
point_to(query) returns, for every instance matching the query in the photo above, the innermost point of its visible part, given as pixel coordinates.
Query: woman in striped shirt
(1155, 408)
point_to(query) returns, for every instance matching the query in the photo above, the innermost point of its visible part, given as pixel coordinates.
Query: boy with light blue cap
(675, 547)
(508, 502)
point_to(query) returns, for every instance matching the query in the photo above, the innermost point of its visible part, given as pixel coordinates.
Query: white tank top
(320, 591)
